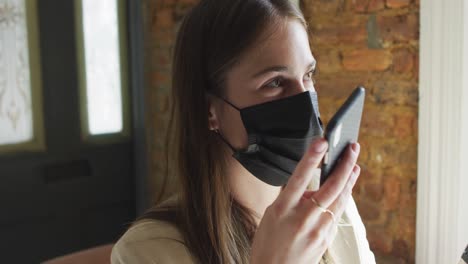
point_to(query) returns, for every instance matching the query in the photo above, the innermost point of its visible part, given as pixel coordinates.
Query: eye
(276, 83)
(310, 75)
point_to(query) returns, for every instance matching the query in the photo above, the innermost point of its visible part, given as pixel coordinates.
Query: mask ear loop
(229, 103)
(225, 141)
(217, 130)
(226, 101)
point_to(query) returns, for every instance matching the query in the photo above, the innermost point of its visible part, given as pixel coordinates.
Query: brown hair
(211, 39)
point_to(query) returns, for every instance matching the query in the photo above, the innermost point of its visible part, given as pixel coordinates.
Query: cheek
(232, 128)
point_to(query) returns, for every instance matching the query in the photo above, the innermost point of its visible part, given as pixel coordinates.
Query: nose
(299, 87)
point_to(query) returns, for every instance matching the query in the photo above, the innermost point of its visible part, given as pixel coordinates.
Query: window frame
(37, 143)
(123, 46)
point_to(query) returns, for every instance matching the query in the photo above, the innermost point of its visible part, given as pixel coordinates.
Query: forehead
(284, 43)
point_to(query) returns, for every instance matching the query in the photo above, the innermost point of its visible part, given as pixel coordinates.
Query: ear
(213, 123)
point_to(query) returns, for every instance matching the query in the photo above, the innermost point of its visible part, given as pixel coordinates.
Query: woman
(244, 115)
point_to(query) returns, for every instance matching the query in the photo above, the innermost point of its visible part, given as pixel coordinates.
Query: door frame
(442, 209)
(137, 90)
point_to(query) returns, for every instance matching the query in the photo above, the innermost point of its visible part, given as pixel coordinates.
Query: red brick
(375, 5)
(388, 259)
(328, 61)
(337, 86)
(163, 19)
(182, 7)
(405, 124)
(368, 211)
(374, 191)
(170, 2)
(357, 189)
(162, 57)
(403, 61)
(374, 123)
(401, 28)
(395, 154)
(158, 78)
(407, 215)
(388, 91)
(368, 174)
(367, 60)
(323, 7)
(162, 39)
(346, 31)
(365, 6)
(343, 35)
(379, 240)
(360, 6)
(398, 3)
(400, 249)
(188, 2)
(391, 192)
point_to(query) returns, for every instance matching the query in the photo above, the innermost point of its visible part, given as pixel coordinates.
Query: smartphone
(342, 130)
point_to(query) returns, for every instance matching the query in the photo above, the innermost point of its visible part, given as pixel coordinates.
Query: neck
(249, 191)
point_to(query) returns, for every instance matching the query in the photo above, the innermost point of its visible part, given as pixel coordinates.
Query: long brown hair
(211, 39)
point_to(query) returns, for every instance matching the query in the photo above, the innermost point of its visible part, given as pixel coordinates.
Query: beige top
(159, 242)
(151, 242)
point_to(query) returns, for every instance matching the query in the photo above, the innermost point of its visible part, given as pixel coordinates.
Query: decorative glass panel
(16, 117)
(100, 24)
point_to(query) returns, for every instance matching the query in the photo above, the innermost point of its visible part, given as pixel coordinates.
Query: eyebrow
(280, 68)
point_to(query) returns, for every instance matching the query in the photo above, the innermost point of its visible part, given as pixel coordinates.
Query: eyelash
(269, 84)
(312, 74)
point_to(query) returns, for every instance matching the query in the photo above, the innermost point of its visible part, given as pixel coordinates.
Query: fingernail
(356, 169)
(320, 146)
(355, 147)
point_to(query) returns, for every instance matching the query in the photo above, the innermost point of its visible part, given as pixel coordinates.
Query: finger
(307, 194)
(332, 231)
(324, 223)
(334, 185)
(323, 228)
(304, 172)
(340, 204)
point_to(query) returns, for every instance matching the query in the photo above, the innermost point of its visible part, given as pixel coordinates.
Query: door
(67, 183)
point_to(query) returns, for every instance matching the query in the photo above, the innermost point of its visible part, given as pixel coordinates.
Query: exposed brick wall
(161, 19)
(370, 42)
(375, 43)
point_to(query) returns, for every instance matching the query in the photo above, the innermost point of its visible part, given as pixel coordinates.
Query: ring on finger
(324, 210)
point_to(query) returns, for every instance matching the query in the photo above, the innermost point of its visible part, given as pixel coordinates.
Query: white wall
(463, 238)
(442, 203)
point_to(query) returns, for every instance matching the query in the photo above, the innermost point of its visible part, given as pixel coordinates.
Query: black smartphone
(342, 130)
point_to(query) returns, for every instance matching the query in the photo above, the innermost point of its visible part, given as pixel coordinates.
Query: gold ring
(317, 203)
(324, 210)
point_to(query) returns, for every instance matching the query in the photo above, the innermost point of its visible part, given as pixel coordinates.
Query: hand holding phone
(342, 130)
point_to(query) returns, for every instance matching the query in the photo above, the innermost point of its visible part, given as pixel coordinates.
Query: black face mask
(279, 133)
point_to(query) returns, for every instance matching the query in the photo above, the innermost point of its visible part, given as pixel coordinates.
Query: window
(20, 96)
(102, 59)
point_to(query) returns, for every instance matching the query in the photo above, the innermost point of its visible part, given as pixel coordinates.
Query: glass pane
(16, 121)
(102, 65)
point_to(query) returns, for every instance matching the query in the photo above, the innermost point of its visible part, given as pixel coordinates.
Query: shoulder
(151, 241)
(152, 229)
